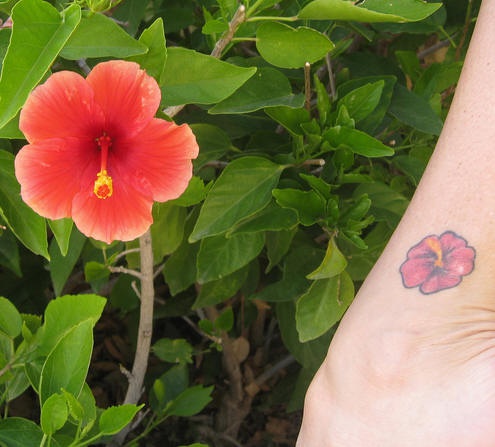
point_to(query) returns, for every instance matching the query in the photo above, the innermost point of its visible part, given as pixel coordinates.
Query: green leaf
(242, 189)
(267, 88)
(167, 230)
(215, 292)
(309, 205)
(205, 81)
(360, 142)
(190, 401)
(28, 226)
(309, 354)
(277, 245)
(180, 267)
(177, 350)
(168, 386)
(415, 111)
(323, 305)
(10, 318)
(11, 130)
(153, 61)
(19, 432)
(363, 100)
(387, 204)
(9, 253)
(294, 281)
(63, 313)
(369, 10)
(99, 36)
(270, 218)
(67, 364)
(225, 321)
(218, 256)
(61, 266)
(114, 419)
(213, 141)
(38, 35)
(334, 263)
(194, 193)
(62, 230)
(54, 414)
(287, 47)
(291, 119)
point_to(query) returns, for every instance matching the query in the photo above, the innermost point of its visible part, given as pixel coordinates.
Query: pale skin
(411, 369)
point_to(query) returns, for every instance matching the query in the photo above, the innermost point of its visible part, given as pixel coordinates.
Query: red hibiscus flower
(438, 263)
(97, 154)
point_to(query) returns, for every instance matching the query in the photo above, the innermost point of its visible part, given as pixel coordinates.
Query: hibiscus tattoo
(438, 263)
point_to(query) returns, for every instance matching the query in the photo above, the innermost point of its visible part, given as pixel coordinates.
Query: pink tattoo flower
(438, 263)
(97, 154)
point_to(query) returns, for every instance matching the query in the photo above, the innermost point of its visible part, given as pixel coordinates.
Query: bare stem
(145, 330)
(307, 86)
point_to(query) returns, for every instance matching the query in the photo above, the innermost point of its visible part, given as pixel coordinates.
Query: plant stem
(145, 330)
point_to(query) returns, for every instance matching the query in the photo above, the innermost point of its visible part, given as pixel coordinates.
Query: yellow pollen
(103, 185)
(436, 247)
(103, 188)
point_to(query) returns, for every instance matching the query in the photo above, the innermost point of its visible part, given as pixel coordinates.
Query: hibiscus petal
(128, 96)
(159, 158)
(440, 280)
(50, 174)
(124, 216)
(451, 241)
(61, 107)
(416, 271)
(460, 261)
(424, 248)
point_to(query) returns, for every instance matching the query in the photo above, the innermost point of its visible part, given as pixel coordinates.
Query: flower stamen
(103, 187)
(436, 248)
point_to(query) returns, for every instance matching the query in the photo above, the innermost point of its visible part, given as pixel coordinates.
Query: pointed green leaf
(61, 266)
(99, 36)
(267, 88)
(38, 35)
(359, 142)
(333, 263)
(176, 350)
(114, 419)
(244, 187)
(415, 111)
(215, 292)
(28, 226)
(309, 205)
(323, 305)
(63, 313)
(363, 100)
(62, 230)
(153, 61)
(369, 10)
(218, 256)
(287, 47)
(190, 401)
(205, 81)
(67, 364)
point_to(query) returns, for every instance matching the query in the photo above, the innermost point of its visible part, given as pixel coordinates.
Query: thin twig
(119, 269)
(307, 86)
(331, 78)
